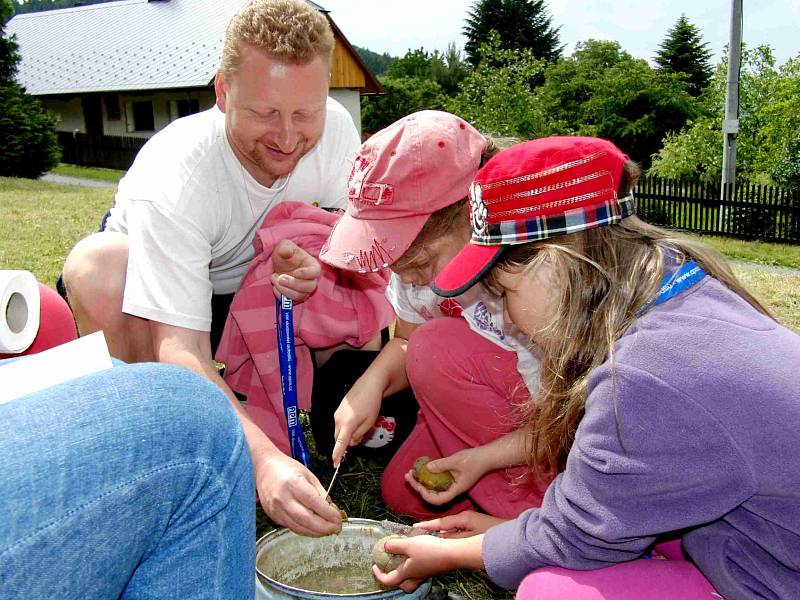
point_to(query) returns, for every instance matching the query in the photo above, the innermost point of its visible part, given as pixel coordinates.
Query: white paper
(36, 372)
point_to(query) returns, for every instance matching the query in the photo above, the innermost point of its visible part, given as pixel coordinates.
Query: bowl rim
(276, 533)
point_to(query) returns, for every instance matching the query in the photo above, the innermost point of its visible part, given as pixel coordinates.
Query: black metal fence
(109, 151)
(746, 210)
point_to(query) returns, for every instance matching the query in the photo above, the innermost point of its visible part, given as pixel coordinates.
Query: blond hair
(603, 277)
(288, 30)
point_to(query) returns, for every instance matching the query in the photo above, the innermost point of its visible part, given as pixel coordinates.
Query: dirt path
(753, 266)
(65, 179)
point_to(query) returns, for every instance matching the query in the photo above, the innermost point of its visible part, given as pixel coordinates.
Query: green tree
(521, 25)
(602, 90)
(779, 136)
(403, 96)
(28, 143)
(446, 69)
(684, 52)
(417, 81)
(635, 107)
(415, 63)
(497, 97)
(767, 147)
(571, 82)
(377, 63)
(9, 53)
(449, 69)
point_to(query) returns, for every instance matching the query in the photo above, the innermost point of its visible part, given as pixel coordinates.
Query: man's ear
(221, 90)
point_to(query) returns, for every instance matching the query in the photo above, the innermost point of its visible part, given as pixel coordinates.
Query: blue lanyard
(673, 284)
(284, 316)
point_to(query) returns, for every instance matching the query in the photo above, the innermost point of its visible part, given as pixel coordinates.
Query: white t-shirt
(483, 312)
(191, 210)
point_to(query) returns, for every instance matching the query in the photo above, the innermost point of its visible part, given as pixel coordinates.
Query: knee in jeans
(191, 404)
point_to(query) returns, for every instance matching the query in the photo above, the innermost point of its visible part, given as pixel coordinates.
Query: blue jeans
(135, 482)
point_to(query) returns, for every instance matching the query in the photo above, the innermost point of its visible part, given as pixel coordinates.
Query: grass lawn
(765, 253)
(40, 222)
(88, 172)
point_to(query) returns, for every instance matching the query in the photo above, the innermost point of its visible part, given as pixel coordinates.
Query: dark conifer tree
(9, 56)
(683, 51)
(521, 24)
(28, 143)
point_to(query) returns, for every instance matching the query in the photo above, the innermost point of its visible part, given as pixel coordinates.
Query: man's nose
(286, 138)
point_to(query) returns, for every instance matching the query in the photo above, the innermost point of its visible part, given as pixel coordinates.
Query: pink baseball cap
(401, 175)
(532, 191)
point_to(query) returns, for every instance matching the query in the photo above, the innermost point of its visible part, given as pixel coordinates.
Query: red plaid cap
(536, 190)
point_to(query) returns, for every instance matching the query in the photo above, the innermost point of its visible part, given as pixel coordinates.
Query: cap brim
(369, 245)
(467, 268)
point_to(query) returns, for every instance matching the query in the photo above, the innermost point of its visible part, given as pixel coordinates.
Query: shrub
(29, 143)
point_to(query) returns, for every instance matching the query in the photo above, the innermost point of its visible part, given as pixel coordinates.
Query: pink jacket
(346, 307)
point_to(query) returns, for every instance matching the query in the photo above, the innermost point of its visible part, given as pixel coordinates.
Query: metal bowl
(283, 556)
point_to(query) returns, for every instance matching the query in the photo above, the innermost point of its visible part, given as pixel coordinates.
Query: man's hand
(289, 493)
(428, 556)
(466, 467)
(296, 272)
(293, 497)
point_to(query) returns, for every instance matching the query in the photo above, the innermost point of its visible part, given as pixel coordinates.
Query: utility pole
(730, 126)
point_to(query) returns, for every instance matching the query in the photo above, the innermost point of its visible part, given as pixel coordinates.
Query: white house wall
(69, 110)
(351, 100)
(161, 111)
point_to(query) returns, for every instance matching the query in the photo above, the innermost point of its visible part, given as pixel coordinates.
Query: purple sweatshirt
(708, 394)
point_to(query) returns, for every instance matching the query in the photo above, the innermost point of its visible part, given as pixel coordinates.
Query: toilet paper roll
(19, 311)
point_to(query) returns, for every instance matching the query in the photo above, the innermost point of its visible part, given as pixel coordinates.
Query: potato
(437, 482)
(385, 560)
(341, 511)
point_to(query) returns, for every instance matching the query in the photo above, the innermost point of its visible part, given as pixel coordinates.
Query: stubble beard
(268, 167)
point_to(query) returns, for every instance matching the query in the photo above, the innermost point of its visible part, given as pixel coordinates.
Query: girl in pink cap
(669, 404)
(469, 370)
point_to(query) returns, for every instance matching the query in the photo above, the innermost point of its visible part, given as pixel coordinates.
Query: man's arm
(290, 494)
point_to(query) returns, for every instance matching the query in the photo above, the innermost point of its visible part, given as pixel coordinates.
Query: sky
(395, 26)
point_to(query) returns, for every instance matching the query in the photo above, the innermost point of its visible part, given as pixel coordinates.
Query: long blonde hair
(603, 276)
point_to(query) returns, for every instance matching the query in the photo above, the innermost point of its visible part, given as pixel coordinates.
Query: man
(179, 239)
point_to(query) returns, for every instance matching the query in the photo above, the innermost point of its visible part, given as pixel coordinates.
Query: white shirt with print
(483, 312)
(191, 210)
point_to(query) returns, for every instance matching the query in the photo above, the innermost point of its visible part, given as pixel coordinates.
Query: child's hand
(428, 556)
(466, 467)
(296, 272)
(355, 416)
(464, 524)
